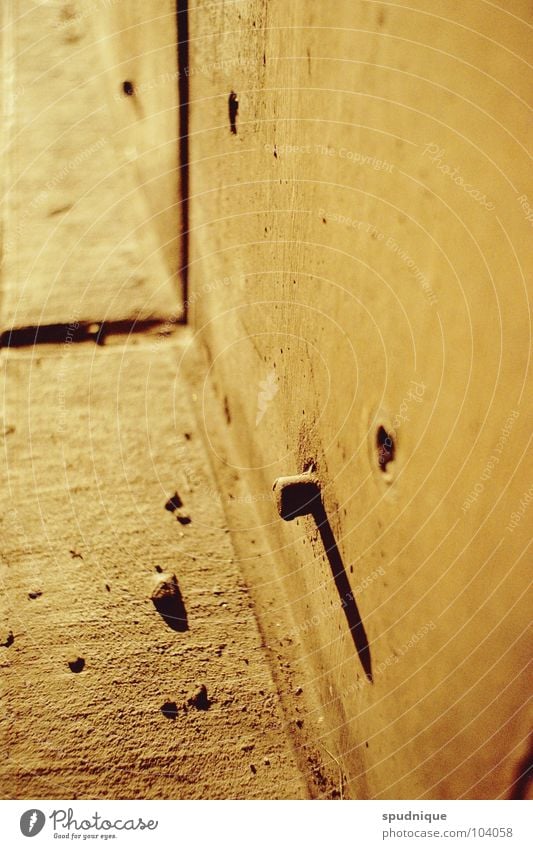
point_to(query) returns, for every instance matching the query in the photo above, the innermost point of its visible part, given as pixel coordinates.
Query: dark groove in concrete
(57, 334)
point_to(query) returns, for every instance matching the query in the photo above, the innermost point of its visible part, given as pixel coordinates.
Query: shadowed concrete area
(102, 696)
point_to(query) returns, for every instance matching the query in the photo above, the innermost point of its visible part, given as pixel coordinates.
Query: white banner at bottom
(257, 824)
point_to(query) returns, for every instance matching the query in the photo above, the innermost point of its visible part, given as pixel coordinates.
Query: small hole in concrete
(386, 448)
(169, 710)
(128, 88)
(77, 664)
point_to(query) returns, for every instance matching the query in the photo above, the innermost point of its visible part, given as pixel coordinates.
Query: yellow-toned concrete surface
(90, 177)
(99, 688)
(360, 215)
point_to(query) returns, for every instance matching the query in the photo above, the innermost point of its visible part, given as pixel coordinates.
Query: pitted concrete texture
(107, 494)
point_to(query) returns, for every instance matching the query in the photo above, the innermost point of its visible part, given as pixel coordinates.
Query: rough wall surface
(359, 221)
(90, 161)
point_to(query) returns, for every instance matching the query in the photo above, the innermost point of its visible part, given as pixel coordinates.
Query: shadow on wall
(349, 605)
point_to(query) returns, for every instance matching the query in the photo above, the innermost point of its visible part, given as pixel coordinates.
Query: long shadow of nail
(351, 611)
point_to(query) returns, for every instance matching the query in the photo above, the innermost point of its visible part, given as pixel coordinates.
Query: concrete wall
(90, 161)
(358, 260)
